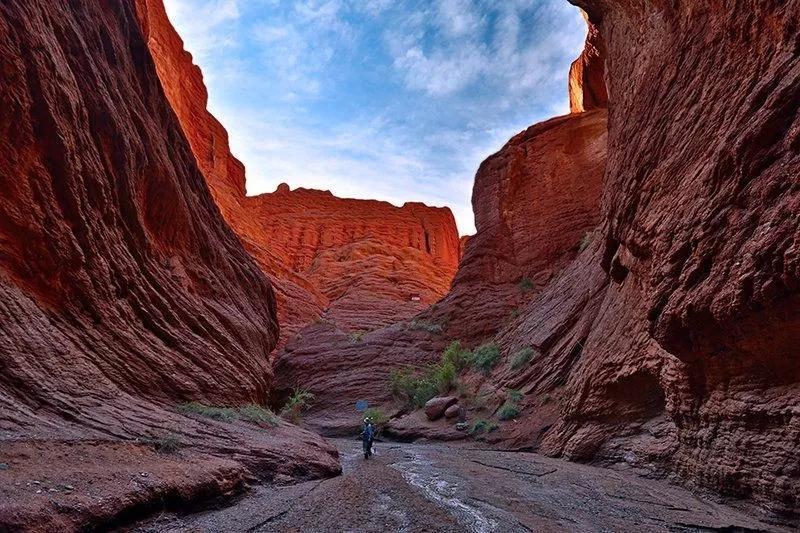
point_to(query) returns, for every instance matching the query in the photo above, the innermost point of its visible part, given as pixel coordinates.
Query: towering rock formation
(374, 263)
(122, 290)
(670, 342)
(535, 201)
(362, 264)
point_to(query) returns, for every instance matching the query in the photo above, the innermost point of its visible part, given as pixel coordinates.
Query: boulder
(452, 411)
(436, 407)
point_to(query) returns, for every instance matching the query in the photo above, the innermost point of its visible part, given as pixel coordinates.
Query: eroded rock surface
(667, 340)
(359, 263)
(536, 200)
(122, 290)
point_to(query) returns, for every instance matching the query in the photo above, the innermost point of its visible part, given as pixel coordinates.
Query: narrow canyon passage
(435, 487)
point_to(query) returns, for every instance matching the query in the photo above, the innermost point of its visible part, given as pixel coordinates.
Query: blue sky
(394, 100)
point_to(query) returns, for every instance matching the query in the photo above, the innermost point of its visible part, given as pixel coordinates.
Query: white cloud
(206, 26)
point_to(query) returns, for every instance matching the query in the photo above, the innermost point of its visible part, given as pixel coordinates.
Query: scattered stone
(462, 426)
(452, 411)
(4, 466)
(435, 407)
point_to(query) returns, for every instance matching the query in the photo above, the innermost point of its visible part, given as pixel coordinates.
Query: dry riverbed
(434, 487)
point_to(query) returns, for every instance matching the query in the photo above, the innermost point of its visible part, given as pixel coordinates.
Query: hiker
(367, 435)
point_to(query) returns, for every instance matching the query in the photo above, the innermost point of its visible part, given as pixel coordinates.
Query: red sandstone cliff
(374, 263)
(670, 343)
(587, 84)
(359, 263)
(122, 290)
(535, 201)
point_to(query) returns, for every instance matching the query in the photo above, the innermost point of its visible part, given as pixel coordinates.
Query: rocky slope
(359, 263)
(122, 290)
(669, 344)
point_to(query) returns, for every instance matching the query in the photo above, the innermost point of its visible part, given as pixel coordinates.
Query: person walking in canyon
(367, 436)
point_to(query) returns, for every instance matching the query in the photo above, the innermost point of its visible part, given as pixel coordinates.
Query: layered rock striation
(122, 290)
(359, 263)
(536, 201)
(667, 341)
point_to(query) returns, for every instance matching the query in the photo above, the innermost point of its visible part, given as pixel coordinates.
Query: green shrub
(545, 400)
(251, 412)
(299, 401)
(508, 411)
(456, 354)
(485, 357)
(514, 395)
(425, 390)
(258, 414)
(355, 337)
(169, 443)
(585, 241)
(224, 414)
(482, 425)
(423, 325)
(403, 384)
(379, 418)
(525, 284)
(444, 376)
(522, 357)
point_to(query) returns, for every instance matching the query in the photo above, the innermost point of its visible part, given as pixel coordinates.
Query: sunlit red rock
(535, 201)
(587, 84)
(360, 263)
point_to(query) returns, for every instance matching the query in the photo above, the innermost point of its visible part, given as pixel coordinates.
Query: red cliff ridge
(122, 290)
(358, 263)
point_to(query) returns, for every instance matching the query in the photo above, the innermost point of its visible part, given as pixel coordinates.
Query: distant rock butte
(359, 263)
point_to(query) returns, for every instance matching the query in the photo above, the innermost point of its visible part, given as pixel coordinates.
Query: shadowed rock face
(672, 340)
(361, 264)
(122, 290)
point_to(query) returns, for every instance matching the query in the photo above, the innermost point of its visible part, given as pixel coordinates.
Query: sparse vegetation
(355, 337)
(417, 386)
(224, 414)
(379, 418)
(251, 412)
(169, 443)
(424, 325)
(258, 414)
(545, 399)
(514, 395)
(457, 355)
(299, 401)
(508, 411)
(485, 357)
(522, 357)
(482, 425)
(525, 284)
(585, 241)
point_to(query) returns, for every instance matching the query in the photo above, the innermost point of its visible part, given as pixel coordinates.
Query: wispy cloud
(395, 100)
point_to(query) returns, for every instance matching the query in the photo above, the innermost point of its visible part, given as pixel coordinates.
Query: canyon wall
(122, 290)
(361, 264)
(536, 201)
(667, 342)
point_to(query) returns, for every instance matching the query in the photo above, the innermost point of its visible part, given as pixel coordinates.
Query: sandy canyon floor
(434, 487)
